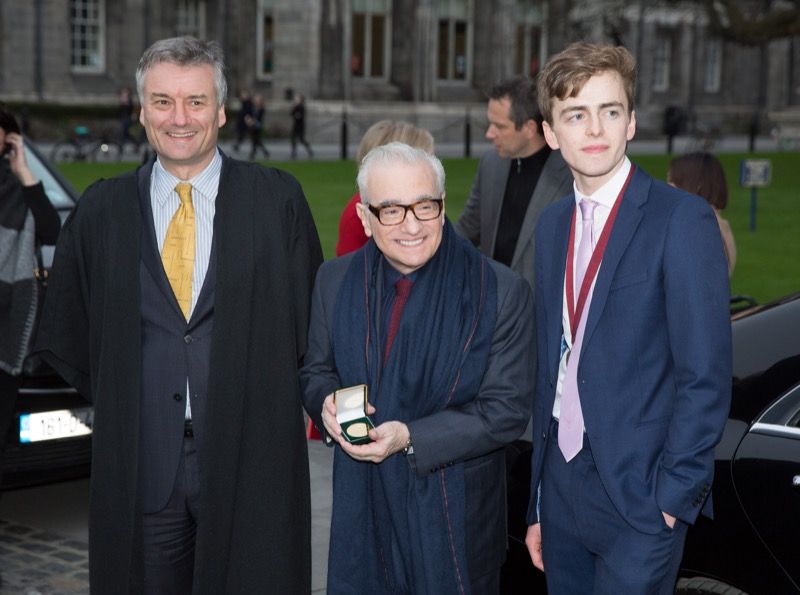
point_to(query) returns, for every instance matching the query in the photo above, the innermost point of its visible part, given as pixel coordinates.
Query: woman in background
(351, 231)
(26, 218)
(702, 174)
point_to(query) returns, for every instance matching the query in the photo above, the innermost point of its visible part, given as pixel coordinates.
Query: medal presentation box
(351, 413)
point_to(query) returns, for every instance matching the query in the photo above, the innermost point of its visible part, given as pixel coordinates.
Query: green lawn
(768, 262)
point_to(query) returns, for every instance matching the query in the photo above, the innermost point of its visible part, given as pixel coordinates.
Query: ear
(221, 118)
(530, 128)
(444, 204)
(631, 126)
(142, 119)
(363, 214)
(550, 136)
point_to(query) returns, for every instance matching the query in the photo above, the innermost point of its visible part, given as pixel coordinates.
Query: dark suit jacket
(173, 350)
(655, 367)
(474, 433)
(481, 215)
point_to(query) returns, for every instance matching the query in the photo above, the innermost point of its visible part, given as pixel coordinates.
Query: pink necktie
(570, 423)
(402, 289)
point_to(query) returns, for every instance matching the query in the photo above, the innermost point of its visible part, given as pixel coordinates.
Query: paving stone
(27, 558)
(55, 568)
(69, 556)
(75, 544)
(46, 536)
(36, 562)
(17, 529)
(36, 547)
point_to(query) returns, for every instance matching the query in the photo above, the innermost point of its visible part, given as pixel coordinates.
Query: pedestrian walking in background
(299, 125)
(255, 124)
(245, 112)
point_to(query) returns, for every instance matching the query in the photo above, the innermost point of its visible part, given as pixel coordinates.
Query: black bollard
(343, 136)
(467, 136)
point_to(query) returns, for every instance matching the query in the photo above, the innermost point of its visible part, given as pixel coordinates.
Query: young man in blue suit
(633, 342)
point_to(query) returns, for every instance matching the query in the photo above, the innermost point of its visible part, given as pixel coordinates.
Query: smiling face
(509, 142)
(411, 244)
(181, 116)
(592, 130)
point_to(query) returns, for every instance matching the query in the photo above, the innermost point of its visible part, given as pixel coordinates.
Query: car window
(55, 192)
(783, 416)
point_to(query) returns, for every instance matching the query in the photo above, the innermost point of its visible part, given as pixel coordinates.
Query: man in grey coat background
(515, 181)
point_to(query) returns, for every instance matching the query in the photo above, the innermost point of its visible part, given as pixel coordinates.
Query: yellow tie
(178, 252)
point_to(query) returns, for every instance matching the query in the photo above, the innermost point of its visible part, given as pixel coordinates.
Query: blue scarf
(392, 532)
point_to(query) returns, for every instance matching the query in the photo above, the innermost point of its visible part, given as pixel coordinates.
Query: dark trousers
(299, 136)
(487, 584)
(587, 546)
(169, 534)
(9, 386)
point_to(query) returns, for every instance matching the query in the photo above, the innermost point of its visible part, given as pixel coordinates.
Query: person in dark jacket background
(299, 125)
(26, 217)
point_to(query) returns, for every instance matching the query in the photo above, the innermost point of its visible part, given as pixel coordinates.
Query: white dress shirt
(605, 196)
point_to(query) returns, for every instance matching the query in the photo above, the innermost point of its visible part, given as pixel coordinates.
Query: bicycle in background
(82, 145)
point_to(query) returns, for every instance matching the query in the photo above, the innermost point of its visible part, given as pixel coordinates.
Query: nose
(179, 115)
(411, 224)
(490, 133)
(595, 127)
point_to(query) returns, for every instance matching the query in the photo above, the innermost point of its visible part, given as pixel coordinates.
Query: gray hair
(184, 51)
(398, 152)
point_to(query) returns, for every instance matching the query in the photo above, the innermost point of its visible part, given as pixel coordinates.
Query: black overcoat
(255, 534)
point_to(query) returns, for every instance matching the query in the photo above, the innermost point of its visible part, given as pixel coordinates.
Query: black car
(51, 437)
(752, 544)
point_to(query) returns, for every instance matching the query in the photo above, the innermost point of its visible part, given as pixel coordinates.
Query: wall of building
(312, 40)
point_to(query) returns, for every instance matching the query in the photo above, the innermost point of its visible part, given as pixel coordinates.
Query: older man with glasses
(441, 339)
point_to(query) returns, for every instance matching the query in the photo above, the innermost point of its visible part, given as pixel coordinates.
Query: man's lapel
(497, 190)
(545, 193)
(628, 219)
(149, 252)
(555, 279)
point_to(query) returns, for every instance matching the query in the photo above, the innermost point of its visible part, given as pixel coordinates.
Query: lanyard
(575, 311)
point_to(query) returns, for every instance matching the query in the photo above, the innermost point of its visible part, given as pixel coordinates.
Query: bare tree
(752, 23)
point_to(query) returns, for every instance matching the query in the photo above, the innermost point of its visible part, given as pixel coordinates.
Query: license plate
(52, 425)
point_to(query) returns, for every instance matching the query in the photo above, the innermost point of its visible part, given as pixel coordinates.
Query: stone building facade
(425, 60)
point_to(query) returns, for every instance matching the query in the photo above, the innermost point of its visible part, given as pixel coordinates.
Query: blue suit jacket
(655, 367)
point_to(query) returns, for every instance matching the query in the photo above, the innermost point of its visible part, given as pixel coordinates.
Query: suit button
(544, 435)
(178, 397)
(187, 339)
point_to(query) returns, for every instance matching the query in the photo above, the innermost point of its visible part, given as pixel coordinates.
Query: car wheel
(699, 585)
(64, 152)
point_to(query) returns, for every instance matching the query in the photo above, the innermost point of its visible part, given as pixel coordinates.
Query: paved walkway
(34, 562)
(43, 544)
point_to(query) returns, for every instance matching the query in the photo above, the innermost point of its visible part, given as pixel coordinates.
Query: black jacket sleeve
(45, 215)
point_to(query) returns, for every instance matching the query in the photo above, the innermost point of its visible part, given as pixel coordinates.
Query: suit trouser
(587, 547)
(169, 534)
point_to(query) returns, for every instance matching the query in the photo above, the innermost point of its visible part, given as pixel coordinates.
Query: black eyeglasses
(424, 210)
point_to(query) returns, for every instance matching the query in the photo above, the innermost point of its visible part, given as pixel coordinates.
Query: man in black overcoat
(179, 304)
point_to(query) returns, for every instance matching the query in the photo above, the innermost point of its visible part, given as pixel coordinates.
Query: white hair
(184, 51)
(398, 152)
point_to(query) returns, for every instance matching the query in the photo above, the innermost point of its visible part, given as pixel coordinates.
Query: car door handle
(796, 481)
